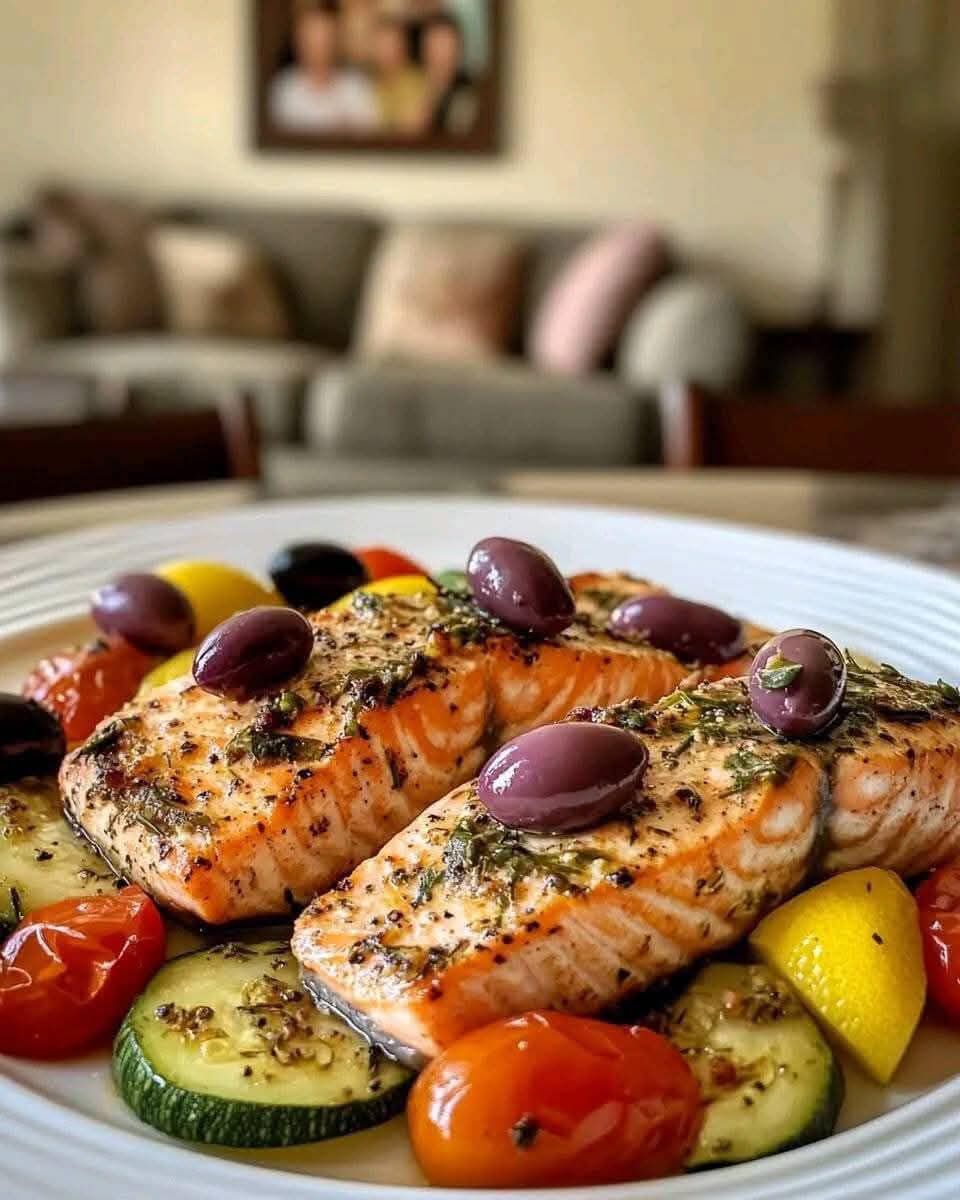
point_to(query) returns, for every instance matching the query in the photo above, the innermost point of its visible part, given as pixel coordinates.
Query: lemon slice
(851, 948)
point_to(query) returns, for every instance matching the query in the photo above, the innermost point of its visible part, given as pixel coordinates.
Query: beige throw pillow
(215, 283)
(101, 240)
(34, 300)
(442, 293)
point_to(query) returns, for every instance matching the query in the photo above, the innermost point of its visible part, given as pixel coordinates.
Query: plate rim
(38, 1114)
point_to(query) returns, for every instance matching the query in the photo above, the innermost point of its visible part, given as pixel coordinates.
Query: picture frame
(420, 77)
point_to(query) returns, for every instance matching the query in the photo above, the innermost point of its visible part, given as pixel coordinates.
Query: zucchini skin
(820, 1126)
(771, 1082)
(241, 1124)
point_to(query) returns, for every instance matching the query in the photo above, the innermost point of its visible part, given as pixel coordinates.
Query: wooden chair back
(702, 430)
(130, 450)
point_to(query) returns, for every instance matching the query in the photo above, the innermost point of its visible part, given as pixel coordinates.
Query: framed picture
(381, 75)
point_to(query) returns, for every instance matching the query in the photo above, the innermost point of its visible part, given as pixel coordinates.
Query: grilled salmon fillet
(460, 920)
(225, 810)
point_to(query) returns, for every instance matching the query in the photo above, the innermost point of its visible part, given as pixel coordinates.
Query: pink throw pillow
(581, 316)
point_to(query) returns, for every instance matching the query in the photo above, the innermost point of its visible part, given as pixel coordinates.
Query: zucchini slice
(226, 1047)
(41, 859)
(769, 1079)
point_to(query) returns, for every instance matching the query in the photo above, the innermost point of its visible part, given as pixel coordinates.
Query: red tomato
(547, 1099)
(70, 971)
(382, 562)
(85, 684)
(938, 902)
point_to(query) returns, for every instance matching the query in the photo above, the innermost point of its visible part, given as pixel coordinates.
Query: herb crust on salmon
(226, 810)
(460, 920)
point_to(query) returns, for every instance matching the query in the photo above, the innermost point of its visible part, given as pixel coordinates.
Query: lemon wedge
(215, 590)
(393, 585)
(170, 668)
(851, 948)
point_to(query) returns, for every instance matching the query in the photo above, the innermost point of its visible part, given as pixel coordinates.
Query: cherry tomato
(938, 903)
(70, 971)
(548, 1099)
(85, 684)
(381, 562)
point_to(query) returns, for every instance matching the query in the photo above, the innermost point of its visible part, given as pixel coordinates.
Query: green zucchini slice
(226, 1047)
(769, 1079)
(41, 859)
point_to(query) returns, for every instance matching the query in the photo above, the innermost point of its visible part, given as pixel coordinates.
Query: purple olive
(797, 682)
(146, 611)
(314, 574)
(31, 739)
(253, 652)
(693, 632)
(563, 777)
(520, 586)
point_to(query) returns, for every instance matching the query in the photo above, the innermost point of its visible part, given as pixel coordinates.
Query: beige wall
(697, 113)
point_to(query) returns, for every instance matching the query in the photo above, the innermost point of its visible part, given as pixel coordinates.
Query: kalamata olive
(31, 739)
(314, 574)
(520, 585)
(563, 777)
(693, 632)
(253, 652)
(146, 611)
(796, 683)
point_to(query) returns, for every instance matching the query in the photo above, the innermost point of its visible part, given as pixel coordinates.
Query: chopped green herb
(367, 604)
(749, 768)
(280, 711)
(427, 880)
(159, 809)
(107, 738)
(779, 672)
(366, 687)
(463, 621)
(265, 746)
(481, 852)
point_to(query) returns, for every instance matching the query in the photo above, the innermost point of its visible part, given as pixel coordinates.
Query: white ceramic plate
(64, 1133)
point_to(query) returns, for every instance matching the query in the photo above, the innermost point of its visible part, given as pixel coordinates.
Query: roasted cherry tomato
(85, 684)
(938, 903)
(381, 562)
(70, 971)
(548, 1099)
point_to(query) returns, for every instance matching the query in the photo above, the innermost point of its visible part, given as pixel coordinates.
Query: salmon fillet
(459, 920)
(224, 810)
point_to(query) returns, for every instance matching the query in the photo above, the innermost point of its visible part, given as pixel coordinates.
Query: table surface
(916, 517)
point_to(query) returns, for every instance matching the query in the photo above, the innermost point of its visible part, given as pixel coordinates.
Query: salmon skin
(460, 920)
(225, 810)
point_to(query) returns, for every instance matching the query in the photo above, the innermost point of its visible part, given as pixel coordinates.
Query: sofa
(323, 401)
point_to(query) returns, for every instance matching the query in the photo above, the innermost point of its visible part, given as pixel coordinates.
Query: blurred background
(693, 256)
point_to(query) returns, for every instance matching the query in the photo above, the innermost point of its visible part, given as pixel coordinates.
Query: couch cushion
(320, 256)
(214, 282)
(502, 413)
(689, 328)
(102, 240)
(142, 356)
(583, 312)
(442, 293)
(168, 369)
(34, 299)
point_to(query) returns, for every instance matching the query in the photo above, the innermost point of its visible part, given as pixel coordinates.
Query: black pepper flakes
(524, 1132)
